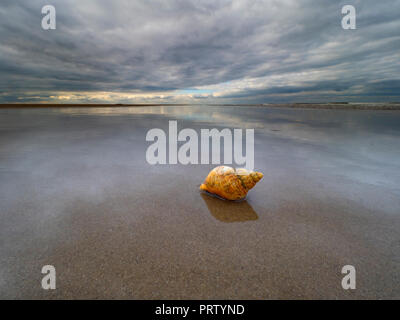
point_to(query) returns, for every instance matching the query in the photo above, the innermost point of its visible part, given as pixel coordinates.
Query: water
(76, 192)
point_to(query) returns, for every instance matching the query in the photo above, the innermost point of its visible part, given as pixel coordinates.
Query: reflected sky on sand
(76, 192)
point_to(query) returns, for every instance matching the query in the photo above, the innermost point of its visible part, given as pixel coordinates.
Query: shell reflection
(228, 211)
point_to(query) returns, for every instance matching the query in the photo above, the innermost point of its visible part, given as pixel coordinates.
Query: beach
(76, 192)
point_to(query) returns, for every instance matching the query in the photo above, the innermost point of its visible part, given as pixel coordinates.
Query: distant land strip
(333, 105)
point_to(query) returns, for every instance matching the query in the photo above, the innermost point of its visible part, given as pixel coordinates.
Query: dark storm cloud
(246, 51)
(314, 87)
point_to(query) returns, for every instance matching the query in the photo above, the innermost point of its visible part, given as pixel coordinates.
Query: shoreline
(387, 106)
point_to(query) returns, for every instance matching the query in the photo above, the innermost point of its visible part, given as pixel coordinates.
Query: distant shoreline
(331, 106)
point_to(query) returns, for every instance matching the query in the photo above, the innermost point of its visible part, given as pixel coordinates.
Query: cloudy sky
(204, 51)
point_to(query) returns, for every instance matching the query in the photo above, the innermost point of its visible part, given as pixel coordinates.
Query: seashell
(229, 183)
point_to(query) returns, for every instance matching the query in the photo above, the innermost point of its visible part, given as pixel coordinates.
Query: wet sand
(76, 192)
